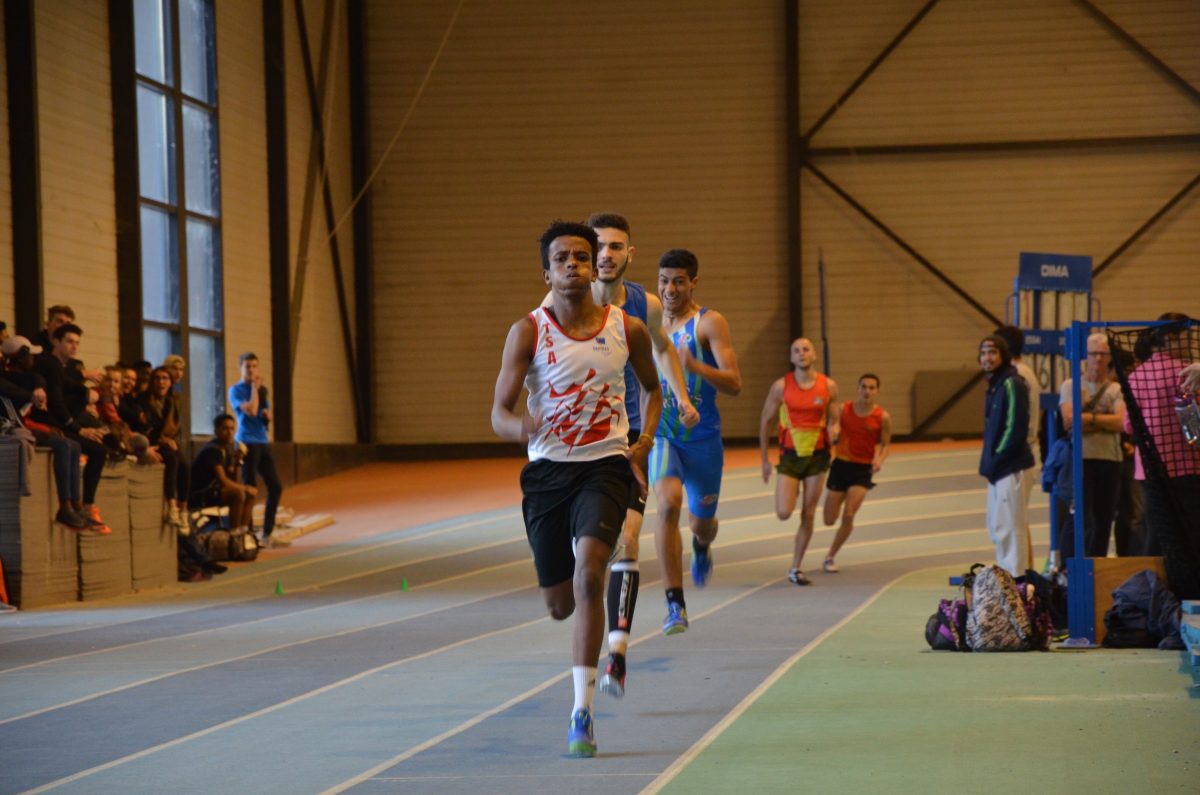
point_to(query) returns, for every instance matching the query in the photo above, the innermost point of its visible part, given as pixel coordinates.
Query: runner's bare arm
(514, 364)
(667, 359)
(768, 423)
(833, 412)
(640, 348)
(885, 441)
(714, 332)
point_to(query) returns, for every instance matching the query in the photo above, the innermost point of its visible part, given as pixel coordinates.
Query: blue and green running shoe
(676, 621)
(580, 739)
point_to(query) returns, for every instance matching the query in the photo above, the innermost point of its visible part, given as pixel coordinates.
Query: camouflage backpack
(999, 619)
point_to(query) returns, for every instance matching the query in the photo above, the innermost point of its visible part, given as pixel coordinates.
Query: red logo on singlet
(568, 422)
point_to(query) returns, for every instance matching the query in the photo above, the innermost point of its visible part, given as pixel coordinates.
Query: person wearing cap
(25, 391)
(66, 398)
(1005, 455)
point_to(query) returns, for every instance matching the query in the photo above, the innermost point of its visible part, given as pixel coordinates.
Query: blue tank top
(634, 306)
(702, 394)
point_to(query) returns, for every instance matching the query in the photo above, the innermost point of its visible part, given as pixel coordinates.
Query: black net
(1148, 363)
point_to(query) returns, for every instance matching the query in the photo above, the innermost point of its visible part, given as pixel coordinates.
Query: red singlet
(859, 434)
(802, 416)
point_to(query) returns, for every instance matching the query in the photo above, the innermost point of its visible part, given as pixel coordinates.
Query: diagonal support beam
(904, 246)
(871, 67)
(335, 257)
(1147, 55)
(313, 172)
(950, 402)
(1141, 230)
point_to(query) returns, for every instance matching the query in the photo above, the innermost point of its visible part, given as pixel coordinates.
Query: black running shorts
(801, 467)
(844, 474)
(568, 499)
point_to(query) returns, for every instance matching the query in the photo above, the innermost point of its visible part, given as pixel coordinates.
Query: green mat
(872, 709)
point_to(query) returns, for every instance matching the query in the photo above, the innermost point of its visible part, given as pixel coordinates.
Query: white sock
(618, 641)
(584, 678)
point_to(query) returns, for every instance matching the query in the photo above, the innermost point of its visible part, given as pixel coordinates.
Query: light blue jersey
(702, 394)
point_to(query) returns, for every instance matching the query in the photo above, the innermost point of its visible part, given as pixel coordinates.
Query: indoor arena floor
(409, 651)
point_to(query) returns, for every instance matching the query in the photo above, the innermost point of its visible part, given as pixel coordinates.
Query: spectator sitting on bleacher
(57, 315)
(160, 408)
(66, 399)
(214, 477)
(142, 368)
(110, 394)
(27, 392)
(128, 408)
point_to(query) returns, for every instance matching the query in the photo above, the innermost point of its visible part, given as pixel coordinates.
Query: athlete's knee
(705, 529)
(560, 602)
(589, 584)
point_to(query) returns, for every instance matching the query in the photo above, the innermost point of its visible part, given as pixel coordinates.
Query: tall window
(180, 196)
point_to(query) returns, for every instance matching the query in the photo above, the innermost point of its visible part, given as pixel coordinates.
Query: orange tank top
(802, 416)
(859, 435)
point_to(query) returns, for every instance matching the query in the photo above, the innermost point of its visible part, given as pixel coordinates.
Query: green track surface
(872, 709)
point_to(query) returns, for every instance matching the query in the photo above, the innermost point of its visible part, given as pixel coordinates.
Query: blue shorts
(697, 464)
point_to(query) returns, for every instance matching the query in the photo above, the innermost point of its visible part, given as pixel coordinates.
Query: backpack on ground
(223, 545)
(946, 629)
(1002, 616)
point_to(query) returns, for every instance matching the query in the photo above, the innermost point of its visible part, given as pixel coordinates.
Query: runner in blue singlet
(686, 458)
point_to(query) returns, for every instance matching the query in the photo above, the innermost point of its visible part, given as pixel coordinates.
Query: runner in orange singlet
(866, 432)
(800, 406)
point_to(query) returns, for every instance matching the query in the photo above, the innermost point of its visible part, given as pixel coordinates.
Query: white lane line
(492, 545)
(394, 664)
(475, 721)
(427, 559)
(303, 589)
(754, 695)
(473, 573)
(290, 644)
(275, 571)
(91, 771)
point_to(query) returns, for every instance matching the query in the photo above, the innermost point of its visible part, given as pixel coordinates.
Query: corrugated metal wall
(79, 257)
(244, 187)
(979, 71)
(671, 114)
(7, 306)
(79, 244)
(321, 377)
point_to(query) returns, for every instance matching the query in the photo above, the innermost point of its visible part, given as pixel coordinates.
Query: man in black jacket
(66, 398)
(24, 388)
(1006, 453)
